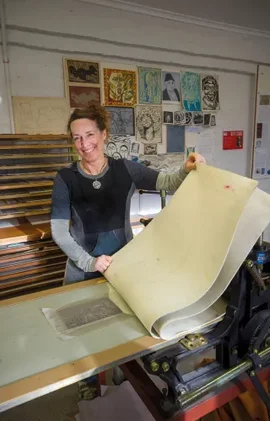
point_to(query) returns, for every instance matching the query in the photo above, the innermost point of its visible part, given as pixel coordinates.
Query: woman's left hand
(192, 161)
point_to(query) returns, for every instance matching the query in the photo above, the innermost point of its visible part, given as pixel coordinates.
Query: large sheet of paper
(173, 273)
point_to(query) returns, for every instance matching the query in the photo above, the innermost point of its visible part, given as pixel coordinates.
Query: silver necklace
(96, 184)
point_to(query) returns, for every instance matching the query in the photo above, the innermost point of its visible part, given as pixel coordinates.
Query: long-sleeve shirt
(87, 222)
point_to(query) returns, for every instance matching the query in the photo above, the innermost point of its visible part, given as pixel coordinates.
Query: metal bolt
(250, 263)
(154, 366)
(165, 366)
(252, 373)
(182, 391)
(235, 351)
(260, 365)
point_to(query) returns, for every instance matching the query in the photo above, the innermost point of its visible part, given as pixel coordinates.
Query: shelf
(29, 258)
(5, 196)
(25, 185)
(29, 138)
(38, 146)
(37, 155)
(26, 176)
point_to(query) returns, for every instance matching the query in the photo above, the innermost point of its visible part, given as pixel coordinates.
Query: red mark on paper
(228, 186)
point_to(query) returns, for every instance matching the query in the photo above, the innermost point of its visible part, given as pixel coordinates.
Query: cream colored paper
(40, 115)
(180, 264)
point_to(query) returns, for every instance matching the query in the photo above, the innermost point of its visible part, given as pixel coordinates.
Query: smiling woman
(91, 198)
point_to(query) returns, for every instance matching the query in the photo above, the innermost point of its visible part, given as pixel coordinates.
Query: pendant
(96, 184)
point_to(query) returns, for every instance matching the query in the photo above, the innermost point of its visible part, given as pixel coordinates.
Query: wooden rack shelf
(29, 258)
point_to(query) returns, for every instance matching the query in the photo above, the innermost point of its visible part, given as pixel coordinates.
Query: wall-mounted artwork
(148, 123)
(175, 139)
(120, 87)
(166, 163)
(118, 147)
(188, 119)
(121, 120)
(179, 117)
(171, 86)
(191, 91)
(82, 96)
(210, 93)
(168, 117)
(149, 85)
(81, 71)
(213, 121)
(135, 149)
(40, 115)
(197, 119)
(206, 120)
(150, 149)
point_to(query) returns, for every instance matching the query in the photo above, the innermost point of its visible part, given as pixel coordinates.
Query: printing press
(240, 342)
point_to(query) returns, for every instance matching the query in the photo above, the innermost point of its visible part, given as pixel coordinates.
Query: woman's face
(88, 139)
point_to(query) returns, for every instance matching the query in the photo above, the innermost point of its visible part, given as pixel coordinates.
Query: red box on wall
(233, 139)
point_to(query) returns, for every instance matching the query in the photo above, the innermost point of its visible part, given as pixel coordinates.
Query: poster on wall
(170, 87)
(191, 91)
(210, 93)
(148, 124)
(40, 115)
(149, 85)
(119, 146)
(233, 139)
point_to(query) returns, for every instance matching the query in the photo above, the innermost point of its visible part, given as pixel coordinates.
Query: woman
(91, 202)
(91, 198)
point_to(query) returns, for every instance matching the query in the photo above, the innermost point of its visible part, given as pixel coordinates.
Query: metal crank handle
(190, 398)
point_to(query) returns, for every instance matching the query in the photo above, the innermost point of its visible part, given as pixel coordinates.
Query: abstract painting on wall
(81, 71)
(82, 96)
(121, 120)
(148, 123)
(120, 87)
(191, 91)
(149, 85)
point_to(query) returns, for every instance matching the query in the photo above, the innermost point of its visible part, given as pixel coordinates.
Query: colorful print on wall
(191, 91)
(171, 86)
(121, 120)
(120, 87)
(82, 96)
(81, 71)
(149, 85)
(210, 93)
(148, 123)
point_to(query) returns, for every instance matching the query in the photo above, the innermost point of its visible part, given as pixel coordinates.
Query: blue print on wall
(191, 91)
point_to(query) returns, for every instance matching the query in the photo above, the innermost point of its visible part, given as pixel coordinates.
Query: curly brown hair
(94, 112)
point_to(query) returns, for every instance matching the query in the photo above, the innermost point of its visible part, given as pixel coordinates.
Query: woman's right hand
(102, 263)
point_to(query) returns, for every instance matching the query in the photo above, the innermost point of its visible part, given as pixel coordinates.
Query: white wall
(4, 116)
(41, 33)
